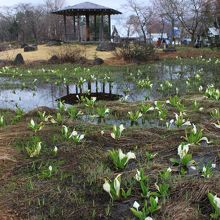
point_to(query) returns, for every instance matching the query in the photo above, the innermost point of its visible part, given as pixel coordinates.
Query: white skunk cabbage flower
(130, 155)
(148, 218)
(55, 149)
(121, 154)
(169, 170)
(183, 150)
(121, 127)
(50, 168)
(216, 200)
(138, 175)
(107, 187)
(217, 125)
(136, 205)
(117, 184)
(37, 150)
(214, 165)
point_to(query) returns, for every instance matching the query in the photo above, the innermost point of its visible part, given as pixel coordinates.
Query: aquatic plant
(162, 190)
(140, 176)
(134, 116)
(165, 174)
(215, 113)
(19, 113)
(89, 102)
(150, 156)
(61, 106)
(162, 111)
(207, 170)
(58, 118)
(81, 81)
(185, 159)
(145, 83)
(73, 112)
(44, 117)
(166, 86)
(48, 171)
(162, 114)
(212, 93)
(145, 108)
(54, 151)
(113, 188)
(176, 102)
(179, 120)
(2, 120)
(120, 159)
(124, 98)
(215, 203)
(196, 106)
(117, 131)
(148, 208)
(102, 112)
(143, 181)
(194, 135)
(74, 135)
(34, 126)
(34, 149)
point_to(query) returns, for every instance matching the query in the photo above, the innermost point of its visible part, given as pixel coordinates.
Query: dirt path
(9, 157)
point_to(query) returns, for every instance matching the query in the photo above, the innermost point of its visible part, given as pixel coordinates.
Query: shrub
(70, 54)
(136, 52)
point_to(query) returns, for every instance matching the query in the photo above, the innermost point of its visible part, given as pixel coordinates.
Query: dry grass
(45, 52)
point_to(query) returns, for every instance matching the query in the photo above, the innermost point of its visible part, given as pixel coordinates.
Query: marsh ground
(74, 190)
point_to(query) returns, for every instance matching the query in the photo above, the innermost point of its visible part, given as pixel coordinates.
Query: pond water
(141, 123)
(46, 94)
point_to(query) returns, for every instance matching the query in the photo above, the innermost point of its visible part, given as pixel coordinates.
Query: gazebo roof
(85, 9)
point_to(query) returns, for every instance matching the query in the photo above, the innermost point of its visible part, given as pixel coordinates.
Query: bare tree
(217, 13)
(142, 17)
(29, 19)
(54, 23)
(191, 14)
(165, 10)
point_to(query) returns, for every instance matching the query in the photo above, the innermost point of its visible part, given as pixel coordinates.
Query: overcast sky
(117, 20)
(116, 4)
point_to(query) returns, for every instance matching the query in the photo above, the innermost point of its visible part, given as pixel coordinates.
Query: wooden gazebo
(84, 14)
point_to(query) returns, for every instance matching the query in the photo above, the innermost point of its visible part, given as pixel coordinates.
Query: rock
(54, 59)
(98, 61)
(19, 60)
(30, 48)
(106, 46)
(171, 49)
(54, 43)
(24, 45)
(2, 63)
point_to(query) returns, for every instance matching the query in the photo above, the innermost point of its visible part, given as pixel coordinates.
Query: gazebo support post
(95, 34)
(78, 26)
(101, 28)
(109, 26)
(74, 27)
(65, 33)
(87, 28)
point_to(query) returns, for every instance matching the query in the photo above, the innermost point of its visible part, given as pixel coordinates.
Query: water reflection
(46, 94)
